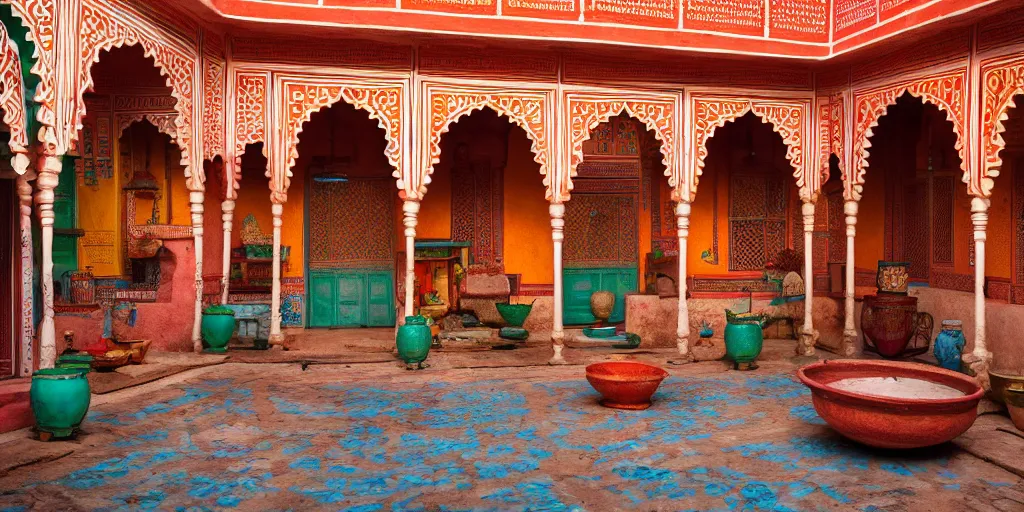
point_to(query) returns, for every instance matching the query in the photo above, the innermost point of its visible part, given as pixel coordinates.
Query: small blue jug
(949, 346)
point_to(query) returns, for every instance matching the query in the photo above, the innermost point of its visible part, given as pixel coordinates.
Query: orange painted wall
(528, 247)
(869, 246)
(998, 248)
(435, 218)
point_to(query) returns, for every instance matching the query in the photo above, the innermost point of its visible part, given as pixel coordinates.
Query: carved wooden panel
(601, 230)
(943, 189)
(214, 83)
(945, 91)
(916, 228)
(350, 224)
(249, 121)
(477, 210)
(757, 220)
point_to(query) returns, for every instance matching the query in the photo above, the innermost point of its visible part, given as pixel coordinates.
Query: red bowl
(625, 384)
(890, 422)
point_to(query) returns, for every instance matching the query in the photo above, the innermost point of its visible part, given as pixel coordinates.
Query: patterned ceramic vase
(413, 341)
(893, 277)
(949, 345)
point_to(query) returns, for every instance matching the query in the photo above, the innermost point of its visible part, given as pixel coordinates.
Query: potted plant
(217, 327)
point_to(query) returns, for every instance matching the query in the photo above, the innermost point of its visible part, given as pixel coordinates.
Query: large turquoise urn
(217, 327)
(413, 341)
(60, 399)
(744, 339)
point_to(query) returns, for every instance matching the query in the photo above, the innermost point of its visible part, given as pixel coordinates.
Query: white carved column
(27, 329)
(683, 318)
(807, 336)
(196, 198)
(49, 173)
(411, 208)
(557, 211)
(849, 347)
(276, 338)
(227, 215)
(980, 358)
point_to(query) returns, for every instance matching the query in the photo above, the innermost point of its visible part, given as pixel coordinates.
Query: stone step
(15, 408)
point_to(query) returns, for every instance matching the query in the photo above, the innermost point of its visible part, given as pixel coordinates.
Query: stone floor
(374, 437)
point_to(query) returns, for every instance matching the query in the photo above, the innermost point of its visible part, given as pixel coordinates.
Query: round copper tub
(625, 384)
(890, 422)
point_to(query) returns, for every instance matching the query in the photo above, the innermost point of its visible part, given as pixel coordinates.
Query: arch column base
(849, 346)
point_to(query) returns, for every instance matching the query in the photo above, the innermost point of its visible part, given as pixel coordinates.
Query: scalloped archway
(249, 123)
(38, 17)
(786, 118)
(12, 100)
(383, 102)
(1001, 83)
(102, 30)
(831, 133)
(586, 112)
(527, 109)
(944, 91)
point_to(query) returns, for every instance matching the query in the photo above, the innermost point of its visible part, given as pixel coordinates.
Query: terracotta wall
(528, 247)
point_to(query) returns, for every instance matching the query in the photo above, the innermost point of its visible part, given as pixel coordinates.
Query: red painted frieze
(467, 61)
(650, 13)
(549, 9)
(853, 15)
(892, 8)
(340, 53)
(458, 6)
(733, 16)
(350, 3)
(804, 20)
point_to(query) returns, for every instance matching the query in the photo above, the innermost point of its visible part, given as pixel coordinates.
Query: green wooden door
(322, 299)
(580, 283)
(351, 300)
(65, 238)
(380, 300)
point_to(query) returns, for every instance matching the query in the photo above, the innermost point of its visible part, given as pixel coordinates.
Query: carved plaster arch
(1001, 84)
(12, 101)
(526, 110)
(103, 31)
(830, 137)
(249, 123)
(164, 123)
(382, 103)
(38, 16)
(657, 115)
(785, 118)
(944, 91)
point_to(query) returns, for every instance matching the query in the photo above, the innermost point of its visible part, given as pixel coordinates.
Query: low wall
(167, 322)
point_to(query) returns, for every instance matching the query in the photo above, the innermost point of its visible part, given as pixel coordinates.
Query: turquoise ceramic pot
(60, 399)
(414, 340)
(217, 331)
(743, 343)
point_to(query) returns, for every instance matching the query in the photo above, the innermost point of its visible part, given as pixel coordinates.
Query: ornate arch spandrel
(39, 16)
(528, 110)
(213, 108)
(164, 123)
(944, 91)
(101, 30)
(12, 96)
(837, 131)
(249, 122)
(657, 115)
(785, 117)
(382, 102)
(824, 128)
(1001, 84)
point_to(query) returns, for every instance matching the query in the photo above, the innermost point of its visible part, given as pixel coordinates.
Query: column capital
(557, 210)
(411, 206)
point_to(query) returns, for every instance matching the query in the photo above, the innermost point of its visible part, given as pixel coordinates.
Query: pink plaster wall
(168, 322)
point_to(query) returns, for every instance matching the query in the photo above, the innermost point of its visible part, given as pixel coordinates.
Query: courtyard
(374, 437)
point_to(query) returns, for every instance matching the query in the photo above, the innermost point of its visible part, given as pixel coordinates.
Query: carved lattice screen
(351, 224)
(757, 220)
(477, 215)
(601, 230)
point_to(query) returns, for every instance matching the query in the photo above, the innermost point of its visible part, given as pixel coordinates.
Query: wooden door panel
(351, 300)
(322, 300)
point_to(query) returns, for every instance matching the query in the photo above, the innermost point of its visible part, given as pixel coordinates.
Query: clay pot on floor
(625, 384)
(413, 341)
(60, 399)
(601, 305)
(1015, 404)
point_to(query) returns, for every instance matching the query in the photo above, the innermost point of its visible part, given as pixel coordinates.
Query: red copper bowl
(890, 422)
(625, 384)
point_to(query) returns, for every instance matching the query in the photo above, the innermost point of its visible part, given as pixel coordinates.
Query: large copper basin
(890, 422)
(625, 384)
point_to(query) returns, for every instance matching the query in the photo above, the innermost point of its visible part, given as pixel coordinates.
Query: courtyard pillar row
(808, 336)
(683, 320)
(557, 211)
(49, 174)
(980, 357)
(411, 209)
(849, 347)
(195, 199)
(227, 215)
(276, 209)
(27, 330)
